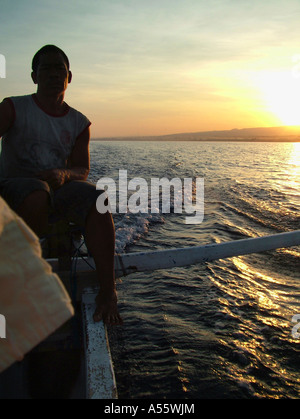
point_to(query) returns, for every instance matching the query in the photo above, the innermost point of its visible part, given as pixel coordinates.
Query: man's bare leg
(100, 240)
(34, 211)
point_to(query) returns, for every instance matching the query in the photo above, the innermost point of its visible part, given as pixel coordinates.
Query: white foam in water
(132, 227)
(129, 229)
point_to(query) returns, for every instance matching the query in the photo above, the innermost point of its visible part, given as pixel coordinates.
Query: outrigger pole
(166, 259)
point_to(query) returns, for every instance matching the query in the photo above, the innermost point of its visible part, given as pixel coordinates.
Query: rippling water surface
(221, 329)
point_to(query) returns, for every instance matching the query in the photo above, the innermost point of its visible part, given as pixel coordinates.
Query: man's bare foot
(107, 309)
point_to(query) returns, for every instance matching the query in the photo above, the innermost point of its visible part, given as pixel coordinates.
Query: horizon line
(253, 137)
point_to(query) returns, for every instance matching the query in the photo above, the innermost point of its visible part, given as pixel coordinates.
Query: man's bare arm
(80, 158)
(6, 116)
(79, 164)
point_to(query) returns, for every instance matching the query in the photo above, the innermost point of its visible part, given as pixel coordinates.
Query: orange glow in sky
(159, 67)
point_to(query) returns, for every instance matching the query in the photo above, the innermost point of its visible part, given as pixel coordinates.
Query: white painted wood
(100, 378)
(166, 259)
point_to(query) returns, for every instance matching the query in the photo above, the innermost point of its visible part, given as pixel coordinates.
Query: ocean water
(221, 329)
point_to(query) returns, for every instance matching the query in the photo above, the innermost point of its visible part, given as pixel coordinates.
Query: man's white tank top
(38, 140)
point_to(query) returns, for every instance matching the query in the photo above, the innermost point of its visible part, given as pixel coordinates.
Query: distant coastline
(264, 134)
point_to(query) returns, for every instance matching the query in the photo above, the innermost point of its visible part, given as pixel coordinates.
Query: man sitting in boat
(45, 162)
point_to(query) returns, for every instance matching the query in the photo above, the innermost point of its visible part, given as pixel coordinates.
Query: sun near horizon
(281, 92)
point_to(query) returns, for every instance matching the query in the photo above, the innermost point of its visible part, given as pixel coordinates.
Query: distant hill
(285, 133)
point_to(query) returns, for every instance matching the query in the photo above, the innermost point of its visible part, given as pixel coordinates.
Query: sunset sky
(156, 67)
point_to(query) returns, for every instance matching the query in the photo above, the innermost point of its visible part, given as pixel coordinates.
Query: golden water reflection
(290, 175)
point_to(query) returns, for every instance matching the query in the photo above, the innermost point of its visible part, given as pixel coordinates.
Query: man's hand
(54, 177)
(107, 309)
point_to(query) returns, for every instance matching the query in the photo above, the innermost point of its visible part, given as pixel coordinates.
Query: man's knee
(35, 202)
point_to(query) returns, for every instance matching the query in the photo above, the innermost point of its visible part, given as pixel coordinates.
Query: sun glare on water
(281, 94)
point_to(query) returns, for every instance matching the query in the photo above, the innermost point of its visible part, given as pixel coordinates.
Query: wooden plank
(100, 378)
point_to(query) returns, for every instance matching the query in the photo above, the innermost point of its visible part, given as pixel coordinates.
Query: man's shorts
(71, 202)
